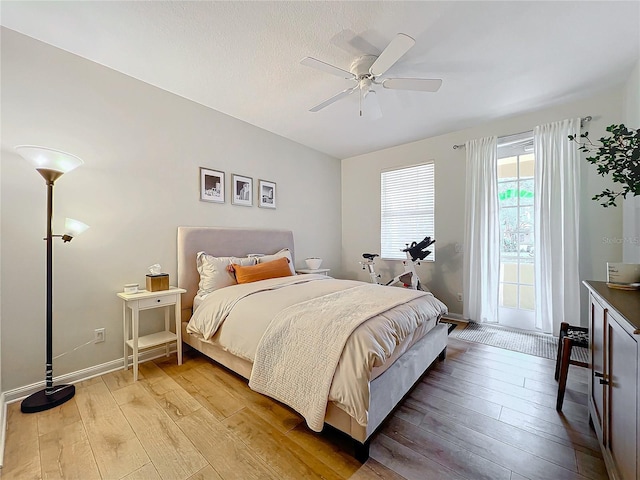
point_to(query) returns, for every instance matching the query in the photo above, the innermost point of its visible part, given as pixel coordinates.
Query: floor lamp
(51, 164)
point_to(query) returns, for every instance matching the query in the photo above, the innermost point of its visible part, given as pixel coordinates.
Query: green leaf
(618, 155)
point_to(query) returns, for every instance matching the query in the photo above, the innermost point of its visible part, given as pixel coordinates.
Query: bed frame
(387, 390)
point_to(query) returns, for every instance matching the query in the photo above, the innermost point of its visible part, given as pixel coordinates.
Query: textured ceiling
(242, 58)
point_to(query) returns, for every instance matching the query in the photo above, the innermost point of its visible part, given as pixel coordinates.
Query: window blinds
(407, 209)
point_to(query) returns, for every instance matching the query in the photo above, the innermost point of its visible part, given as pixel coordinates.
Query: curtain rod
(583, 120)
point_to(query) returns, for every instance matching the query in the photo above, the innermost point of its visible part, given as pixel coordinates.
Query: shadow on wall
(444, 274)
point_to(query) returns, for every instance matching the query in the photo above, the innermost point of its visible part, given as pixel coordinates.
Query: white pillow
(282, 253)
(213, 271)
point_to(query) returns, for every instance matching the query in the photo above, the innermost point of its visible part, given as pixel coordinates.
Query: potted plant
(618, 154)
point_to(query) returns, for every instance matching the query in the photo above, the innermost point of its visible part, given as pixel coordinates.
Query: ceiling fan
(368, 71)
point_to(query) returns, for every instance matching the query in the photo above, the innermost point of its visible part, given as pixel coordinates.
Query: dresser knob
(158, 300)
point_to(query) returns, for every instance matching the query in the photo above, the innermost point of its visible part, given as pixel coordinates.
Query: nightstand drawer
(156, 301)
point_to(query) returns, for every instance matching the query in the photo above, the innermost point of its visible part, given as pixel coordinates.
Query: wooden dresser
(614, 386)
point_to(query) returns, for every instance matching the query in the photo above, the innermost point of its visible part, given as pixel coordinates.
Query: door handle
(604, 382)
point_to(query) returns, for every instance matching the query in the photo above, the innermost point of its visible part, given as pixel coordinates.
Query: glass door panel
(527, 297)
(516, 216)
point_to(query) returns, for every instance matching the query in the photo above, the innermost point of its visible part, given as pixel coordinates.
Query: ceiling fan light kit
(367, 71)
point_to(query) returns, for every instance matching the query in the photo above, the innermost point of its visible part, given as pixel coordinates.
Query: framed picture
(267, 194)
(242, 190)
(211, 185)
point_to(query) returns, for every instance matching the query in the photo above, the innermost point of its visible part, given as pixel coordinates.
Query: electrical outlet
(98, 335)
(459, 297)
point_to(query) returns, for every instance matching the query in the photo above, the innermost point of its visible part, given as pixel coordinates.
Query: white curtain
(482, 232)
(556, 200)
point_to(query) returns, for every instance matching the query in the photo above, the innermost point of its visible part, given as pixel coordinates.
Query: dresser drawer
(156, 301)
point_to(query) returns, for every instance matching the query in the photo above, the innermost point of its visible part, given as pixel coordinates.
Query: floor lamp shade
(43, 158)
(73, 227)
(51, 164)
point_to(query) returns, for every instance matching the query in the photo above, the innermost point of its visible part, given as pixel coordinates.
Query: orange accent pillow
(263, 271)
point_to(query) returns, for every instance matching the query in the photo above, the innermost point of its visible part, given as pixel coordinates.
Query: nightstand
(322, 271)
(145, 300)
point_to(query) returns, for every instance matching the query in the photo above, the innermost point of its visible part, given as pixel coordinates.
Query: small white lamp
(73, 228)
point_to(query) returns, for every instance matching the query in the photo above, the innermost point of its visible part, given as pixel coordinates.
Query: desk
(144, 300)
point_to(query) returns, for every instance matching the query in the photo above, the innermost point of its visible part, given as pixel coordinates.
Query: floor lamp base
(40, 401)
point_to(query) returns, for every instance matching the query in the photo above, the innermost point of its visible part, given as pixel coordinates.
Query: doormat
(531, 343)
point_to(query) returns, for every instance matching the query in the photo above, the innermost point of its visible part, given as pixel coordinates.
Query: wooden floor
(485, 413)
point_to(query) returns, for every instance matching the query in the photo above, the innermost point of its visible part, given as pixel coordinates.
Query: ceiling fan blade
(325, 67)
(417, 84)
(390, 55)
(371, 106)
(335, 98)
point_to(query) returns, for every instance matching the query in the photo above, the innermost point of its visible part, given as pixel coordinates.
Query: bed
(389, 381)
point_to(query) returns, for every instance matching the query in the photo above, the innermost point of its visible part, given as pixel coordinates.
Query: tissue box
(158, 282)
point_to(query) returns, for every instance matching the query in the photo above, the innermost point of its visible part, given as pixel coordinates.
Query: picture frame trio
(212, 189)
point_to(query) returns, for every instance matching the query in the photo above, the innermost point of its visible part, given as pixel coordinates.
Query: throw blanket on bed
(303, 344)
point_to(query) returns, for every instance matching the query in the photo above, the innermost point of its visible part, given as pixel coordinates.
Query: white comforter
(236, 318)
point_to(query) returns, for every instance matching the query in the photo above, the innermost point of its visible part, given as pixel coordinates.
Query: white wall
(2, 419)
(142, 149)
(631, 213)
(361, 198)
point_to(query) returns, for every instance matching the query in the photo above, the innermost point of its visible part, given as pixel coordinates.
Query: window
(407, 211)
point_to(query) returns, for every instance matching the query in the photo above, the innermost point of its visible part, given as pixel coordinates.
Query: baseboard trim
(456, 316)
(3, 424)
(19, 393)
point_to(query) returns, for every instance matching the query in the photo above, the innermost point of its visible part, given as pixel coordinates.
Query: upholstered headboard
(222, 242)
